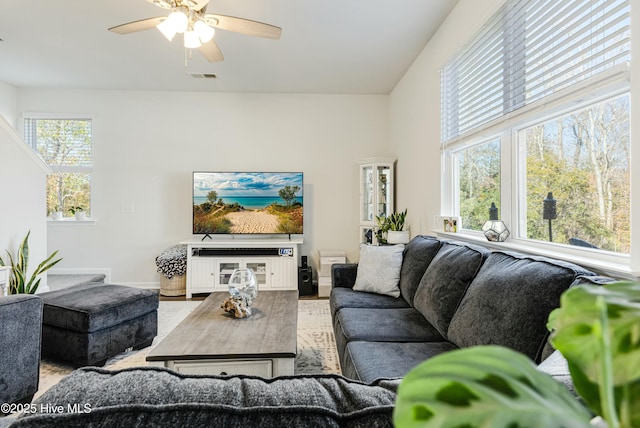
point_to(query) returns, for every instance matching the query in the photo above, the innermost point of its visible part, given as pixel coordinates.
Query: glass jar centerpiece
(243, 288)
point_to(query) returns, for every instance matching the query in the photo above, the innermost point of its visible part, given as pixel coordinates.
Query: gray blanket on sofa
(152, 396)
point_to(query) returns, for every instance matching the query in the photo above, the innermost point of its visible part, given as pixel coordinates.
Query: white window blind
(65, 144)
(528, 50)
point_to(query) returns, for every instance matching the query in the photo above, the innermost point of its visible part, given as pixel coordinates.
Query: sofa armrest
(343, 275)
(593, 280)
(20, 340)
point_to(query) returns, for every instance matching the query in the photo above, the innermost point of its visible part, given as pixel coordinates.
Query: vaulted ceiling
(327, 46)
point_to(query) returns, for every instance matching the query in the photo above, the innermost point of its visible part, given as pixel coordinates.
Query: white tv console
(210, 263)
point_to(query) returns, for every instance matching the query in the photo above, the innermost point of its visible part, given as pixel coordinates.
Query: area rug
(316, 343)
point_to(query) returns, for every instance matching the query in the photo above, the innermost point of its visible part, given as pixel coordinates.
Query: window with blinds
(529, 50)
(65, 145)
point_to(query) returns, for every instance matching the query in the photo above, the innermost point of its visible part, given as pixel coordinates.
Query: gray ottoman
(87, 324)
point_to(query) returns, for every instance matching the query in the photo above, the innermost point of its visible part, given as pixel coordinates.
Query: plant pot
(80, 216)
(56, 215)
(397, 236)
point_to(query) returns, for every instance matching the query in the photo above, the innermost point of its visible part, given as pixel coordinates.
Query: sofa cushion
(368, 361)
(347, 298)
(95, 306)
(382, 325)
(385, 325)
(509, 301)
(379, 269)
(556, 366)
(446, 280)
(152, 396)
(418, 253)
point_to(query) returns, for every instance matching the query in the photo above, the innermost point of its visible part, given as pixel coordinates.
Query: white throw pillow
(379, 269)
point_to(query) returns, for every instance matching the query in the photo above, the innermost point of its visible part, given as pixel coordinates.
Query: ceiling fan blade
(243, 26)
(211, 51)
(165, 4)
(141, 25)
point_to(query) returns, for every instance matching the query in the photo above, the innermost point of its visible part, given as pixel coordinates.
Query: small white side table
(5, 271)
(328, 258)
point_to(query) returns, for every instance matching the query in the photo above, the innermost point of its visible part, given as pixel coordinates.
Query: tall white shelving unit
(377, 182)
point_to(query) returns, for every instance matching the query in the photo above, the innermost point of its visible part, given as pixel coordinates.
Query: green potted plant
(597, 330)
(394, 227)
(19, 283)
(78, 212)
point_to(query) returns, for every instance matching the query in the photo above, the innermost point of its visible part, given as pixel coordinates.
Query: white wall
(8, 103)
(22, 192)
(414, 115)
(146, 145)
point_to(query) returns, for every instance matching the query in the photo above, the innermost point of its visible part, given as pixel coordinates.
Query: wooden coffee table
(211, 341)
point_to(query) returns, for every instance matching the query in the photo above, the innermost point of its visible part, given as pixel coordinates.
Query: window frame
(597, 89)
(570, 106)
(452, 153)
(65, 169)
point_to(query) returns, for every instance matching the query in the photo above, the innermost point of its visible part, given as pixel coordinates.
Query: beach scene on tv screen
(247, 202)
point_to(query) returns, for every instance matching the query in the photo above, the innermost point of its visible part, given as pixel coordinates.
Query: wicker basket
(176, 286)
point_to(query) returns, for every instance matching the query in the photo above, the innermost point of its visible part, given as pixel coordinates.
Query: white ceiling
(327, 46)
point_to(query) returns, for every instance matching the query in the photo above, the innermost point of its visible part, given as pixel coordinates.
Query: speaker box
(304, 263)
(305, 281)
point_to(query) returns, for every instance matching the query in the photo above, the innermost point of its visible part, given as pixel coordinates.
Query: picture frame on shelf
(450, 224)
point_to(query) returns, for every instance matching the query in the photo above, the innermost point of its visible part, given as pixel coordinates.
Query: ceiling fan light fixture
(204, 32)
(167, 29)
(191, 40)
(178, 20)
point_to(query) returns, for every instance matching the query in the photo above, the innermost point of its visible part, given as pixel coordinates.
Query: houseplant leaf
(45, 265)
(484, 386)
(396, 220)
(19, 264)
(597, 329)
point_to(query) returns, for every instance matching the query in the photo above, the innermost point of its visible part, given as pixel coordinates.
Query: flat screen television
(247, 203)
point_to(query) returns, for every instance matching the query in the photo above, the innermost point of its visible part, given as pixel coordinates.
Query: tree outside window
(65, 145)
(582, 158)
(479, 182)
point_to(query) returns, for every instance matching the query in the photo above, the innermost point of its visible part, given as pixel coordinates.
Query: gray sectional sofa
(20, 338)
(453, 295)
(158, 397)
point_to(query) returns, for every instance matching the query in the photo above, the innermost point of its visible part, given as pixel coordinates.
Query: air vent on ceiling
(203, 75)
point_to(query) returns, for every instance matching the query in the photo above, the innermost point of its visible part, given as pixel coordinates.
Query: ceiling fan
(190, 18)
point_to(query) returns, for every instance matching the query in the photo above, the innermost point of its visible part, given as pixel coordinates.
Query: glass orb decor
(495, 231)
(243, 284)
